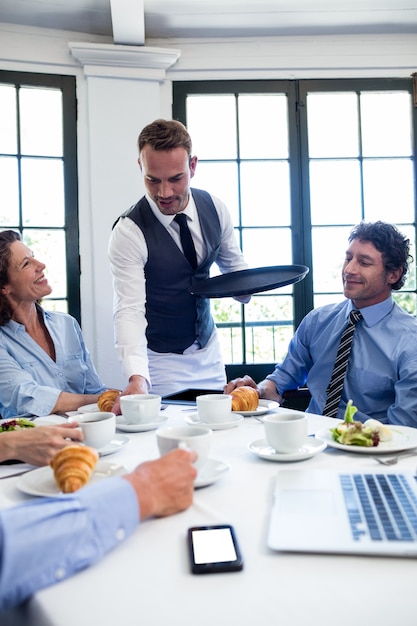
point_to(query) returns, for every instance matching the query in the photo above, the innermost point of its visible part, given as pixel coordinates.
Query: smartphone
(214, 549)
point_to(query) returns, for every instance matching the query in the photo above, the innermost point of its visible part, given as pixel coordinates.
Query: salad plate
(210, 473)
(264, 406)
(233, 421)
(16, 423)
(88, 408)
(403, 438)
(310, 448)
(41, 481)
(139, 428)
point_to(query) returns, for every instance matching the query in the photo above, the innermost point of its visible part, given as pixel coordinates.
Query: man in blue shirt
(48, 540)
(381, 378)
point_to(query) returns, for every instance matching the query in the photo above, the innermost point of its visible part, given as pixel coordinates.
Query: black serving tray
(250, 281)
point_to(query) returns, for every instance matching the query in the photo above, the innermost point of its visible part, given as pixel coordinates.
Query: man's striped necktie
(334, 390)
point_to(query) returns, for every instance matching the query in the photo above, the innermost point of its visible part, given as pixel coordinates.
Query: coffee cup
(214, 407)
(286, 432)
(98, 428)
(140, 408)
(197, 438)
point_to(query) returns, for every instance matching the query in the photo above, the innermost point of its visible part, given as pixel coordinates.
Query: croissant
(73, 466)
(107, 399)
(244, 398)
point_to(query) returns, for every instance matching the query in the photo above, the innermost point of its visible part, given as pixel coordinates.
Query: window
(38, 174)
(299, 163)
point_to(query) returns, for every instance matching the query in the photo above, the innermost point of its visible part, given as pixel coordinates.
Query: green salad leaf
(352, 433)
(350, 411)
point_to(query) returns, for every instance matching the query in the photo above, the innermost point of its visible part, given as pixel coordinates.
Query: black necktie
(186, 240)
(334, 390)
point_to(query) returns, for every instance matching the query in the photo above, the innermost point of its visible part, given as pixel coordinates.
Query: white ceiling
(218, 18)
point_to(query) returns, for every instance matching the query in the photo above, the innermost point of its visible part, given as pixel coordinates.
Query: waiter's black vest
(176, 318)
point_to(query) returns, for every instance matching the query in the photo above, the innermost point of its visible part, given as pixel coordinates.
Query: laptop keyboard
(380, 506)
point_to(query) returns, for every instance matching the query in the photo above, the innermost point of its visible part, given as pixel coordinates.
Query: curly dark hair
(393, 245)
(7, 237)
(165, 135)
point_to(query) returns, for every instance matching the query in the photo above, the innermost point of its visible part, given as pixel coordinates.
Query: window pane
(263, 126)
(231, 343)
(267, 246)
(265, 204)
(211, 122)
(335, 192)
(329, 247)
(41, 121)
(328, 298)
(48, 246)
(43, 192)
(267, 343)
(219, 179)
(275, 308)
(406, 300)
(9, 192)
(332, 124)
(389, 190)
(8, 131)
(386, 124)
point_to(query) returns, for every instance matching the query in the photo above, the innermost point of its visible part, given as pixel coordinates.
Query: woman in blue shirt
(45, 366)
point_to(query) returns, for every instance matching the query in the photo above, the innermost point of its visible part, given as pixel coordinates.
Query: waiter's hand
(137, 384)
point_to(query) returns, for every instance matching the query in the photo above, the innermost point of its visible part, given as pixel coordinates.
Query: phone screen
(214, 549)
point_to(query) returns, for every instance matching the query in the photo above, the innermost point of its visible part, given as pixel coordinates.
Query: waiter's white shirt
(128, 254)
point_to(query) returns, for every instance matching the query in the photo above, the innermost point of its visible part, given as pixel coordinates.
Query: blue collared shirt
(382, 372)
(47, 540)
(30, 381)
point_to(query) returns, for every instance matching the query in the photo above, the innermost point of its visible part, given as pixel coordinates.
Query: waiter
(165, 337)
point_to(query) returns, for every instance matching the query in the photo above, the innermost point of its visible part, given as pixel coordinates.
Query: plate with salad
(370, 437)
(15, 423)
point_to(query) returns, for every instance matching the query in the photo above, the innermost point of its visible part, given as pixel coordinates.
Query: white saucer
(139, 428)
(114, 446)
(310, 448)
(210, 473)
(233, 421)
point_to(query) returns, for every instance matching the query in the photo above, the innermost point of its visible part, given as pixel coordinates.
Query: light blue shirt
(382, 373)
(30, 381)
(47, 540)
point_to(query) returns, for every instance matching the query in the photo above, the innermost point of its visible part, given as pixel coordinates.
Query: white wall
(122, 88)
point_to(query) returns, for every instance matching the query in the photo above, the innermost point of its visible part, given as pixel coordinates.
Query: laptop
(344, 512)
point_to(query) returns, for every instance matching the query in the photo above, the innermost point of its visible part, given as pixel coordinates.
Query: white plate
(233, 421)
(263, 407)
(88, 408)
(139, 428)
(41, 481)
(403, 438)
(114, 446)
(310, 448)
(210, 473)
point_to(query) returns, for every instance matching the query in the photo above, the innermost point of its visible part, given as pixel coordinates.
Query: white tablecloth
(147, 579)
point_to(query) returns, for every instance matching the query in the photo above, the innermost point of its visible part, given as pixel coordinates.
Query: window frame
(296, 92)
(67, 85)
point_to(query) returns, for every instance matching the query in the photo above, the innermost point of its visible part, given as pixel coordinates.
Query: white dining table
(147, 580)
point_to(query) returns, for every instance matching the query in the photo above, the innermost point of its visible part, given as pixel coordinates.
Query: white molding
(149, 63)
